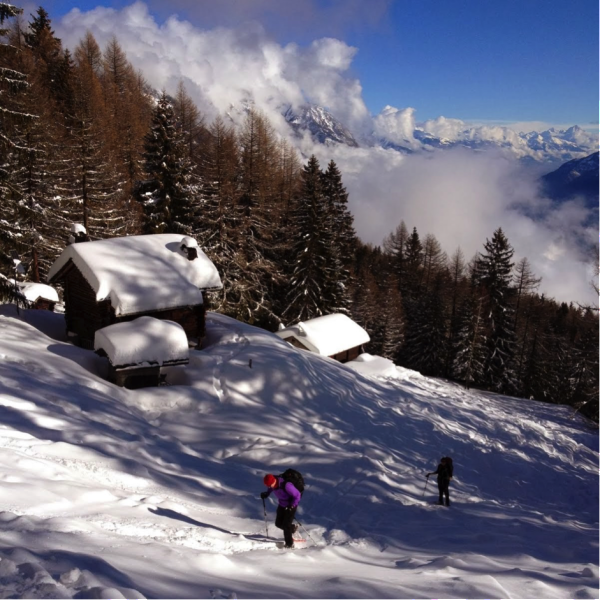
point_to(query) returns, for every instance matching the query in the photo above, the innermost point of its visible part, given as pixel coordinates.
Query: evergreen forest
(84, 139)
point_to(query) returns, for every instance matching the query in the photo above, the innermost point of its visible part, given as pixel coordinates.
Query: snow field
(154, 492)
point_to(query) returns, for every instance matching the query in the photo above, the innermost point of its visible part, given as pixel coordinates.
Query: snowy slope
(109, 492)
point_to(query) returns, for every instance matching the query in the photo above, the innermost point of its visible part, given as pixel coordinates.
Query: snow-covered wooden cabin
(136, 350)
(335, 335)
(120, 279)
(30, 294)
(38, 295)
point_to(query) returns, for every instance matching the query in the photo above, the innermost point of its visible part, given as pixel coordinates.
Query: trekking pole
(266, 522)
(426, 482)
(308, 534)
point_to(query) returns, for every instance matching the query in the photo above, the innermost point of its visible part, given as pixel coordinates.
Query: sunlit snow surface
(114, 493)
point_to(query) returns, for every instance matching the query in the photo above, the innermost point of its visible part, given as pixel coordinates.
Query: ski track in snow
(169, 477)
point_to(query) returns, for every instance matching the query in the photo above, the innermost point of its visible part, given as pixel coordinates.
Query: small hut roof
(144, 340)
(34, 291)
(327, 335)
(140, 273)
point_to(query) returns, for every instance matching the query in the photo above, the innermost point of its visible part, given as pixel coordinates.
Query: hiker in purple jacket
(288, 497)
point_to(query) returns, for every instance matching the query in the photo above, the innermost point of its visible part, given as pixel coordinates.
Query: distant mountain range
(578, 177)
(553, 145)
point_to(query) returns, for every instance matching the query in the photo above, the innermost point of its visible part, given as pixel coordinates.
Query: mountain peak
(320, 123)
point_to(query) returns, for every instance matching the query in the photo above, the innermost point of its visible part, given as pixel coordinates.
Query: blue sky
(475, 60)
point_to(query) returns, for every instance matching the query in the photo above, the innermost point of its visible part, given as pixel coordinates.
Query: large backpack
(294, 477)
(450, 465)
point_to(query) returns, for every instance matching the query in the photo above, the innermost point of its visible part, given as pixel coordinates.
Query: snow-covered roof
(327, 335)
(143, 340)
(142, 272)
(33, 291)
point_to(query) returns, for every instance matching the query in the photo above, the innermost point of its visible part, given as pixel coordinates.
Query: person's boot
(447, 501)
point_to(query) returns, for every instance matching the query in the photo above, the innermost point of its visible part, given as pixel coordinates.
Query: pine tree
(413, 265)
(127, 99)
(13, 85)
(46, 49)
(255, 224)
(287, 186)
(425, 343)
(30, 207)
(366, 294)
(525, 285)
(494, 275)
(165, 194)
(395, 246)
(457, 270)
(217, 221)
(343, 246)
(95, 183)
(435, 261)
(309, 295)
(469, 348)
(391, 319)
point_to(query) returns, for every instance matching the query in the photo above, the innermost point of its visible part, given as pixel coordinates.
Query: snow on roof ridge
(33, 290)
(141, 273)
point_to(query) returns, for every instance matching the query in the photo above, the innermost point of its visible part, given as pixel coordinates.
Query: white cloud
(226, 66)
(461, 197)
(396, 125)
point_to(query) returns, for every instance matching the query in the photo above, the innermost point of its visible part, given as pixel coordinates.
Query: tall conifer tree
(165, 194)
(494, 275)
(313, 273)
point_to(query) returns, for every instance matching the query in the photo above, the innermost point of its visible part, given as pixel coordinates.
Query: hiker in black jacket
(444, 475)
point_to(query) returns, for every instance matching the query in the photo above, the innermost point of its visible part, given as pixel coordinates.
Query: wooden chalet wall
(83, 314)
(296, 342)
(44, 304)
(347, 355)
(342, 357)
(191, 318)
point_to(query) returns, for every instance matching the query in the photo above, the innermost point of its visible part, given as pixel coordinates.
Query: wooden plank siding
(83, 313)
(347, 355)
(342, 357)
(191, 318)
(43, 304)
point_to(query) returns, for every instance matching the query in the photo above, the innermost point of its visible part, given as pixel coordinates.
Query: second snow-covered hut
(336, 336)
